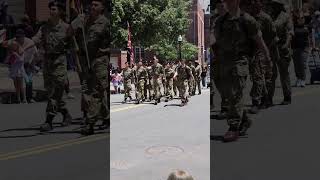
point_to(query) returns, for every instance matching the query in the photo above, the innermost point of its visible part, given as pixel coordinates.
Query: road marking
(51, 147)
(126, 108)
(138, 105)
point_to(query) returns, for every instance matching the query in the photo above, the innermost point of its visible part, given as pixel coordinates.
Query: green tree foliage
(155, 24)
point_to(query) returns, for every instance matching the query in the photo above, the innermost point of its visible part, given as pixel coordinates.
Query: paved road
(148, 141)
(282, 144)
(62, 154)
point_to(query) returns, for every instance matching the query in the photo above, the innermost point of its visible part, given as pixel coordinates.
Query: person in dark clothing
(300, 46)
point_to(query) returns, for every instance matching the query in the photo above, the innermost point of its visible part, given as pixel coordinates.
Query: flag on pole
(3, 35)
(130, 47)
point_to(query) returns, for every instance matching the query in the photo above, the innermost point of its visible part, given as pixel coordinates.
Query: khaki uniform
(55, 40)
(197, 78)
(142, 76)
(95, 79)
(183, 75)
(157, 72)
(260, 67)
(233, 49)
(175, 84)
(284, 27)
(127, 74)
(192, 82)
(169, 73)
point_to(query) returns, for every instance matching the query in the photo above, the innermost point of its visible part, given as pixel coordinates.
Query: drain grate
(164, 150)
(119, 165)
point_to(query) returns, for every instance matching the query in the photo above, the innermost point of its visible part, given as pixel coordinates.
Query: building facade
(195, 34)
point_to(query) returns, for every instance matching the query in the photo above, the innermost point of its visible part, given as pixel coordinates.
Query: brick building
(195, 34)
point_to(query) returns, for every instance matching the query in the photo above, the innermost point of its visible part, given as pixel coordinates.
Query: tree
(155, 25)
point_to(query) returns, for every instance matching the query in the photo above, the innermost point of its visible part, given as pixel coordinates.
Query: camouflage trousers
(169, 87)
(197, 84)
(175, 87)
(141, 89)
(147, 89)
(218, 80)
(156, 87)
(55, 75)
(182, 87)
(191, 84)
(234, 82)
(282, 65)
(95, 88)
(127, 88)
(258, 89)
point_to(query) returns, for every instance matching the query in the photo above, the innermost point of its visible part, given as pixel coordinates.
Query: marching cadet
(142, 76)
(94, 45)
(157, 72)
(235, 51)
(183, 74)
(169, 73)
(284, 26)
(55, 37)
(191, 82)
(197, 77)
(127, 74)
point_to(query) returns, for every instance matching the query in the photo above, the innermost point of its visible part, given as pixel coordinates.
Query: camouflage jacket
(267, 27)
(284, 27)
(157, 71)
(54, 39)
(127, 74)
(141, 73)
(183, 73)
(234, 36)
(97, 34)
(198, 71)
(169, 72)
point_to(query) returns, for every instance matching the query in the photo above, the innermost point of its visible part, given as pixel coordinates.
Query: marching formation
(255, 38)
(154, 81)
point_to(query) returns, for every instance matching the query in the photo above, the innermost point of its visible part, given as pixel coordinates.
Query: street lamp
(180, 42)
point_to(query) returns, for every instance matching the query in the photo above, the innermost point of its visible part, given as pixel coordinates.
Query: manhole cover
(164, 150)
(119, 165)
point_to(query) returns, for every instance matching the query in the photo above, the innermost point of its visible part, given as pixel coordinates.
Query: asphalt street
(63, 154)
(281, 144)
(148, 142)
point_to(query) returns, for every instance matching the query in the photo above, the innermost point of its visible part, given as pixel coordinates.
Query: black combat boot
(88, 130)
(232, 134)
(255, 107)
(245, 124)
(286, 101)
(47, 126)
(125, 100)
(67, 119)
(105, 124)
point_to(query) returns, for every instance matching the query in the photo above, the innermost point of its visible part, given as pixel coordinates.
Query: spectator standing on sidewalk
(300, 46)
(15, 59)
(30, 53)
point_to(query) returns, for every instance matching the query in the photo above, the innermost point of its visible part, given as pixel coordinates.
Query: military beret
(102, 1)
(57, 3)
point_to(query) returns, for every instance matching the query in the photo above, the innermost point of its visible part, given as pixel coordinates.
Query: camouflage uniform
(269, 35)
(149, 83)
(95, 80)
(284, 27)
(55, 40)
(157, 72)
(232, 49)
(142, 76)
(260, 67)
(175, 86)
(169, 73)
(197, 78)
(127, 74)
(191, 82)
(183, 75)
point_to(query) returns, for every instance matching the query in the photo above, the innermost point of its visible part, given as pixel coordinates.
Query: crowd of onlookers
(306, 41)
